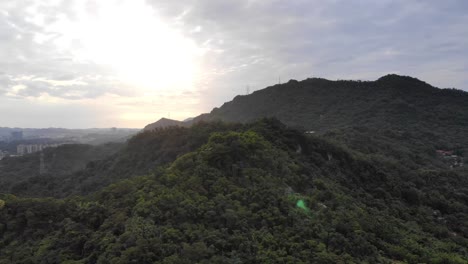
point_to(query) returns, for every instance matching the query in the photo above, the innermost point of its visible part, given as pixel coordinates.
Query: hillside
(19, 174)
(253, 193)
(372, 183)
(399, 117)
(140, 155)
(392, 101)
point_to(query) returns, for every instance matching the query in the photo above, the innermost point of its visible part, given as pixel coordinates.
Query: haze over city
(79, 64)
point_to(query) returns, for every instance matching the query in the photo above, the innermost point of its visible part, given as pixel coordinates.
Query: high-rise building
(23, 149)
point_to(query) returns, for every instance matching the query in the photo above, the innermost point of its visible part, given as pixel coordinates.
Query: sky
(127, 63)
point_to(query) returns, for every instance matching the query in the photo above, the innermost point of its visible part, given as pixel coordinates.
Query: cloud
(31, 57)
(261, 40)
(241, 43)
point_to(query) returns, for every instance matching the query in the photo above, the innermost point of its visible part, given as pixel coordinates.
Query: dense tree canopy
(252, 193)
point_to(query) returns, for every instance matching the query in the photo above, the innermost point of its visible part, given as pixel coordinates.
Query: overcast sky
(126, 63)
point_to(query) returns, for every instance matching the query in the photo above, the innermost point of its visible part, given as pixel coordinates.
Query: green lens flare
(301, 204)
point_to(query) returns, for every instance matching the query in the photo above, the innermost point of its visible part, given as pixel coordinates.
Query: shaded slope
(163, 123)
(142, 154)
(399, 117)
(18, 174)
(391, 102)
(234, 199)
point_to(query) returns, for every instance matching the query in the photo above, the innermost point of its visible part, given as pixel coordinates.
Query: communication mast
(42, 169)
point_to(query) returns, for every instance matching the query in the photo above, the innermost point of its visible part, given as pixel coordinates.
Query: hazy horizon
(84, 64)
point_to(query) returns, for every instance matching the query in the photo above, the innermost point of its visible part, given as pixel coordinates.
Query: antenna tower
(41, 165)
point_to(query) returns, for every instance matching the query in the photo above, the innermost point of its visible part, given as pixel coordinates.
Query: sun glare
(130, 39)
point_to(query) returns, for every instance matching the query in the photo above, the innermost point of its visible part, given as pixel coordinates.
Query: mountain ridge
(309, 104)
(316, 99)
(164, 122)
(431, 118)
(374, 185)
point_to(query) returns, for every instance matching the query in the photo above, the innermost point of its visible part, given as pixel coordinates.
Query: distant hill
(165, 122)
(399, 117)
(392, 101)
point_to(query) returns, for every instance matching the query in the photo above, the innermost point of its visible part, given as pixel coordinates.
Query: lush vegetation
(22, 175)
(396, 109)
(143, 153)
(251, 193)
(379, 181)
(317, 104)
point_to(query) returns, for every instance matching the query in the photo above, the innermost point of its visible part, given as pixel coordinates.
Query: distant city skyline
(127, 63)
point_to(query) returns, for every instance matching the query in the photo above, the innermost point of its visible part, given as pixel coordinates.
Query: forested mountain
(392, 101)
(362, 172)
(245, 193)
(397, 117)
(19, 174)
(141, 155)
(165, 122)
(394, 116)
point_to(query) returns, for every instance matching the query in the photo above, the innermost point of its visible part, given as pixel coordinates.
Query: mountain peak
(320, 105)
(164, 122)
(166, 119)
(392, 78)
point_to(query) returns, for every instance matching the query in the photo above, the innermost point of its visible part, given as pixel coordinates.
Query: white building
(24, 149)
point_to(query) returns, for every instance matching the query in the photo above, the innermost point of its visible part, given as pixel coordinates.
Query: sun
(131, 40)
